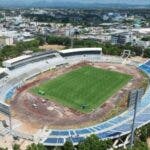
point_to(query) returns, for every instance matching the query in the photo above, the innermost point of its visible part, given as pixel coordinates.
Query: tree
(41, 40)
(93, 143)
(3, 148)
(147, 53)
(139, 146)
(147, 38)
(8, 52)
(16, 147)
(34, 146)
(68, 146)
(143, 133)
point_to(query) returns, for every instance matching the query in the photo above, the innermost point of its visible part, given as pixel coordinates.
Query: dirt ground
(8, 142)
(148, 142)
(37, 112)
(53, 47)
(138, 59)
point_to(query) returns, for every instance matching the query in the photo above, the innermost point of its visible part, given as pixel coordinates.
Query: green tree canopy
(93, 143)
(34, 146)
(68, 146)
(16, 147)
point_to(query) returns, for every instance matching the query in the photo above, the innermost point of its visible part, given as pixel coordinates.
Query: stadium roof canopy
(2, 70)
(143, 30)
(17, 59)
(80, 50)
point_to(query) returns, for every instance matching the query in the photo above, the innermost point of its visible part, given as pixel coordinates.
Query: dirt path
(53, 47)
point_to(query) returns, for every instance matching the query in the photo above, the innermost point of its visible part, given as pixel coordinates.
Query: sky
(90, 1)
(116, 1)
(30, 3)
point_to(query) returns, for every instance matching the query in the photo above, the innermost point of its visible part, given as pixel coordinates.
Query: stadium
(71, 94)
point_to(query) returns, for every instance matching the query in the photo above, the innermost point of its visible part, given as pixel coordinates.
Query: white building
(4, 40)
(144, 44)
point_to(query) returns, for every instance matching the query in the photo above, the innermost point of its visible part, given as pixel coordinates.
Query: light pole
(134, 117)
(72, 41)
(71, 34)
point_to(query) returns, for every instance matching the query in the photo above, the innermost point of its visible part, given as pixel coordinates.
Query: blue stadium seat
(77, 139)
(145, 68)
(108, 134)
(51, 140)
(59, 133)
(83, 131)
(72, 133)
(123, 128)
(54, 141)
(143, 118)
(104, 125)
(147, 63)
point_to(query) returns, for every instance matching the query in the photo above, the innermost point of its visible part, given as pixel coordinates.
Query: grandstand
(2, 73)
(26, 59)
(145, 67)
(27, 66)
(81, 51)
(111, 129)
(3, 130)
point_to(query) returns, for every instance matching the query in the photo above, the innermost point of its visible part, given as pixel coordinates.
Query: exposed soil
(53, 47)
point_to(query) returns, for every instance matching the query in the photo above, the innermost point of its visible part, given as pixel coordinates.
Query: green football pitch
(83, 89)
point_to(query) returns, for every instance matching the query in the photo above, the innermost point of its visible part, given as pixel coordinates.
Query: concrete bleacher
(22, 135)
(26, 59)
(117, 126)
(3, 131)
(109, 129)
(145, 67)
(3, 73)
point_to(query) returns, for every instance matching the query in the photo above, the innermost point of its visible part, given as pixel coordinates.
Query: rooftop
(81, 50)
(143, 30)
(2, 70)
(17, 59)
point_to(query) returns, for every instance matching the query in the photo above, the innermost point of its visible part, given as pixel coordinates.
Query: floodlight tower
(134, 117)
(131, 34)
(138, 95)
(71, 34)
(72, 42)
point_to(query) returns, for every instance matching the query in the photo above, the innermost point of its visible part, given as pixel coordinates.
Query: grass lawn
(82, 89)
